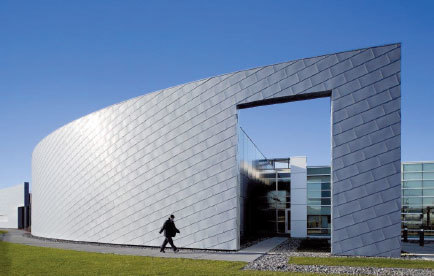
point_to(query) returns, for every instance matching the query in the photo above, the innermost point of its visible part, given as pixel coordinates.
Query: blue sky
(299, 128)
(61, 60)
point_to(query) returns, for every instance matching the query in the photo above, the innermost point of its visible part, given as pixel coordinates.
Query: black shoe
(162, 251)
(176, 250)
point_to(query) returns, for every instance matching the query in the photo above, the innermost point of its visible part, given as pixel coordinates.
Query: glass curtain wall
(265, 193)
(318, 201)
(418, 198)
(265, 190)
(274, 198)
(251, 164)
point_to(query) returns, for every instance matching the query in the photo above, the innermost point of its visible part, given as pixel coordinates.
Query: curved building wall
(115, 175)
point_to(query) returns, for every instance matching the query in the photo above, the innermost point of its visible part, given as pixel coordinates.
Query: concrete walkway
(246, 255)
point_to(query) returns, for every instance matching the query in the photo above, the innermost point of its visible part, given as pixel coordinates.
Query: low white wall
(10, 199)
(298, 197)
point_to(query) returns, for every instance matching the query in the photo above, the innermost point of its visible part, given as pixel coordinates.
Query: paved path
(413, 248)
(246, 255)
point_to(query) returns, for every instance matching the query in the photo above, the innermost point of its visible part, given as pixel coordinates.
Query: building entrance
(274, 197)
(282, 196)
(265, 200)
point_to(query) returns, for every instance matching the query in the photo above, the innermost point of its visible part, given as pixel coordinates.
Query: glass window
(412, 209)
(318, 186)
(313, 221)
(325, 201)
(412, 167)
(325, 186)
(318, 221)
(413, 224)
(412, 217)
(428, 167)
(319, 170)
(318, 210)
(428, 184)
(281, 215)
(313, 194)
(412, 192)
(428, 217)
(313, 186)
(428, 175)
(428, 192)
(428, 201)
(318, 201)
(325, 194)
(412, 201)
(318, 194)
(318, 179)
(318, 232)
(284, 184)
(430, 234)
(268, 175)
(412, 184)
(277, 199)
(412, 176)
(429, 223)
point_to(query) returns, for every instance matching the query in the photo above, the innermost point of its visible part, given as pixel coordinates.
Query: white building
(11, 199)
(115, 175)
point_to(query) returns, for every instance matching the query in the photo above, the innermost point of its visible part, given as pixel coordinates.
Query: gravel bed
(277, 260)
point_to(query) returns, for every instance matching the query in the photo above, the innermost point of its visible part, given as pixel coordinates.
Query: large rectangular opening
(284, 154)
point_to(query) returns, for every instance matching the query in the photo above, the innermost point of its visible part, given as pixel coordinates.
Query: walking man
(170, 231)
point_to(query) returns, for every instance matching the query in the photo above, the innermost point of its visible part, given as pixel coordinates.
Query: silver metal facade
(113, 176)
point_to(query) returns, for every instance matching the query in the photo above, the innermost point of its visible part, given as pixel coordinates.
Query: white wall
(10, 199)
(114, 176)
(298, 197)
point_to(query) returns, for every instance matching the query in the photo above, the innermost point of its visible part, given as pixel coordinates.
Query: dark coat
(169, 229)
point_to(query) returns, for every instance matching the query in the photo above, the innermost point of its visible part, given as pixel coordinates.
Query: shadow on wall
(5, 260)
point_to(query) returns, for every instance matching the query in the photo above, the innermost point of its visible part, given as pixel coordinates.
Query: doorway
(267, 138)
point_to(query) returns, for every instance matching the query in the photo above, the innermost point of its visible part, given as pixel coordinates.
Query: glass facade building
(318, 201)
(265, 189)
(417, 191)
(418, 197)
(266, 194)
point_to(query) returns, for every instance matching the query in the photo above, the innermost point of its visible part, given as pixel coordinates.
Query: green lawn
(17, 259)
(372, 262)
(3, 232)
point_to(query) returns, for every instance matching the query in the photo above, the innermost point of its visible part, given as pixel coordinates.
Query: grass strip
(18, 259)
(362, 262)
(3, 232)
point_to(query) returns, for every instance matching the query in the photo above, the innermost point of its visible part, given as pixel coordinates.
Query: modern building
(115, 175)
(272, 207)
(282, 196)
(418, 198)
(15, 206)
